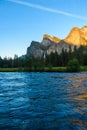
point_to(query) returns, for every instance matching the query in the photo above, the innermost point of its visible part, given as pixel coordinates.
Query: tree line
(8, 62)
(62, 59)
(52, 60)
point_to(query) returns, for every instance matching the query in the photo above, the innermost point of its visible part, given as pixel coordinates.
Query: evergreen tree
(73, 65)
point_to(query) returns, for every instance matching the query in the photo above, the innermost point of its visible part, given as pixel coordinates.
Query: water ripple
(43, 101)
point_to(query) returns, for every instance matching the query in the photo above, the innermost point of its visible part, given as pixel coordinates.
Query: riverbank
(46, 69)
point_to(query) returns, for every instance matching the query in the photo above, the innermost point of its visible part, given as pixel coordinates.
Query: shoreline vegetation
(71, 61)
(45, 69)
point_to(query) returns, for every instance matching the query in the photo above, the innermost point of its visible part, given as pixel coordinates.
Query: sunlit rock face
(46, 47)
(53, 44)
(39, 49)
(51, 38)
(84, 33)
(77, 36)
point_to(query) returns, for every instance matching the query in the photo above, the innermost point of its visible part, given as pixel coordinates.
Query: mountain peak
(75, 28)
(77, 36)
(52, 38)
(85, 27)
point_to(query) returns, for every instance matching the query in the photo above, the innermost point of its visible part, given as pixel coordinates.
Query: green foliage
(33, 64)
(15, 61)
(1, 62)
(79, 56)
(73, 65)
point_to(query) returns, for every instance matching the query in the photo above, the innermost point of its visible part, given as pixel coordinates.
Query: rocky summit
(49, 44)
(77, 36)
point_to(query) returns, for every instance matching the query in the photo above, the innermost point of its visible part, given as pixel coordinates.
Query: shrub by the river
(73, 65)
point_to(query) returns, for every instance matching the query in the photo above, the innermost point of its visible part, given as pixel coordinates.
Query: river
(43, 101)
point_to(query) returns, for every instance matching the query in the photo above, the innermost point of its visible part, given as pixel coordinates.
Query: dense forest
(52, 60)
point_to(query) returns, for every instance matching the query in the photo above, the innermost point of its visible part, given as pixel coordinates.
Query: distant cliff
(53, 44)
(77, 36)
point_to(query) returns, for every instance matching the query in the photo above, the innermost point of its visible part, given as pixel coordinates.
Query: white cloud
(48, 9)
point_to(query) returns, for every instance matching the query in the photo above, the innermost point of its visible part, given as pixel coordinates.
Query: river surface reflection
(43, 101)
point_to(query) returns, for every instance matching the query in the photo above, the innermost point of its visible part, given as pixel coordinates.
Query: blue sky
(22, 21)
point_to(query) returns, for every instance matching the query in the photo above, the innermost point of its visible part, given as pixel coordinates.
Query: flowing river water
(43, 101)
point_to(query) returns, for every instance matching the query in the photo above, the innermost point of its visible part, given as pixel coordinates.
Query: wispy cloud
(48, 9)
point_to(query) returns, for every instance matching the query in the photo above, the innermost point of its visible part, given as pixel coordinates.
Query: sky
(22, 21)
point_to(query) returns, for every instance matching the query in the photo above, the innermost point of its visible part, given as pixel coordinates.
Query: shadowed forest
(52, 60)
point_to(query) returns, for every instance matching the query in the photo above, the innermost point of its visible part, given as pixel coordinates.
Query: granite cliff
(76, 37)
